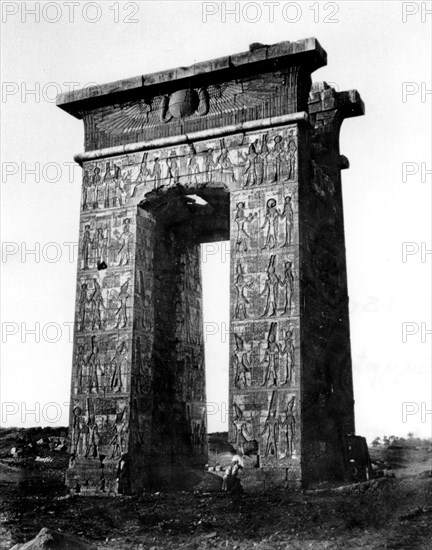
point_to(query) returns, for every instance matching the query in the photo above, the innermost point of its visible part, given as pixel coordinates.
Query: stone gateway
(241, 148)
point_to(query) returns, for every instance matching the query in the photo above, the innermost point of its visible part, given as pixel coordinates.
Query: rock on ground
(54, 540)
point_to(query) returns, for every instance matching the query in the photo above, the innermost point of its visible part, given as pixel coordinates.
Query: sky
(382, 49)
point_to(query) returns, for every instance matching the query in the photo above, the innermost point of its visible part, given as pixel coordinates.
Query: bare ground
(393, 513)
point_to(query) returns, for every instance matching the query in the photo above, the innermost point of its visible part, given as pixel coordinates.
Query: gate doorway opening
(215, 269)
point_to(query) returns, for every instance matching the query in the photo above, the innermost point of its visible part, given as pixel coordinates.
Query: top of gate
(260, 59)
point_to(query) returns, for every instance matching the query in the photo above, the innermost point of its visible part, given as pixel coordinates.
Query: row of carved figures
(95, 373)
(261, 163)
(188, 320)
(100, 249)
(91, 432)
(275, 301)
(276, 435)
(270, 230)
(98, 313)
(276, 361)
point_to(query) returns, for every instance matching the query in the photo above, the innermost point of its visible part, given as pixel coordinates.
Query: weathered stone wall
(327, 392)
(265, 354)
(103, 346)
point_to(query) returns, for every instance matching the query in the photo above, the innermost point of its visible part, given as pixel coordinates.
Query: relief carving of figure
(288, 216)
(243, 429)
(271, 225)
(291, 155)
(225, 163)
(99, 195)
(242, 364)
(144, 173)
(195, 269)
(119, 431)
(121, 313)
(118, 368)
(193, 168)
(271, 358)
(271, 429)
(126, 241)
(173, 170)
(241, 220)
(156, 173)
(141, 376)
(198, 433)
(289, 426)
(256, 159)
(289, 351)
(250, 175)
(88, 191)
(101, 248)
(80, 367)
(188, 325)
(209, 165)
(96, 306)
(271, 289)
(107, 182)
(77, 429)
(119, 191)
(241, 302)
(277, 160)
(93, 438)
(288, 284)
(86, 247)
(262, 161)
(96, 372)
(83, 301)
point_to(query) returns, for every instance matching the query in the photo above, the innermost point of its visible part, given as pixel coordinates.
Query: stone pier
(241, 148)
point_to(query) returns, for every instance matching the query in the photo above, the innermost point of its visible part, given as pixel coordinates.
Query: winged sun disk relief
(184, 103)
(222, 98)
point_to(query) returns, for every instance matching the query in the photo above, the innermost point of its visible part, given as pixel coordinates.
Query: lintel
(294, 118)
(259, 59)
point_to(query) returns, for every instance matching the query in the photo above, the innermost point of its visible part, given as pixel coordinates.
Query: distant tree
(393, 439)
(410, 435)
(376, 441)
(385, 440)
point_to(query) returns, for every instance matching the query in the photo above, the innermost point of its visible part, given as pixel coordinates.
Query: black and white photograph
(216, 251)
